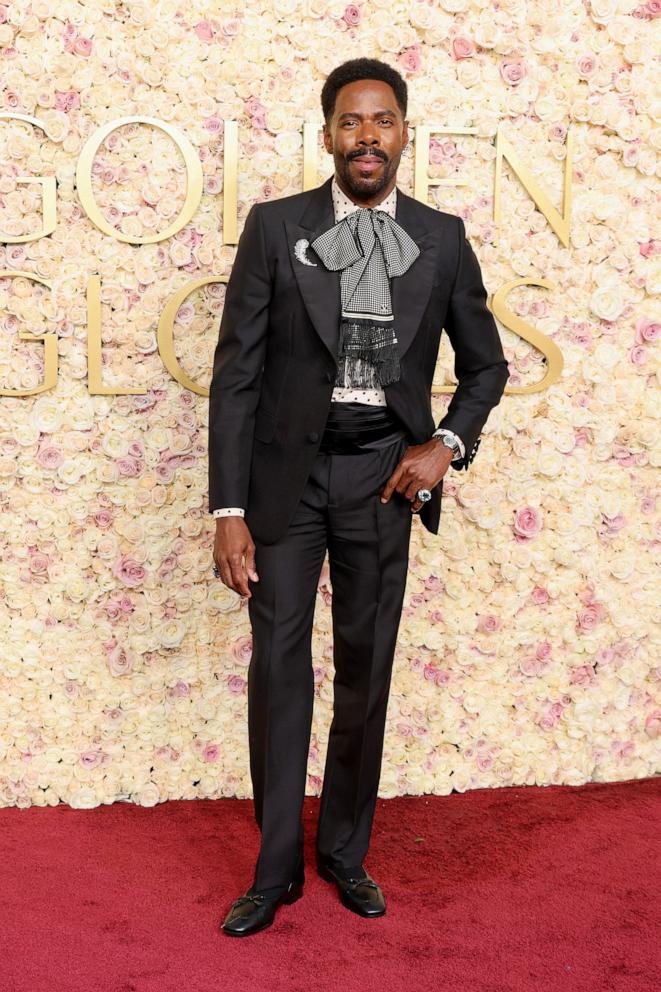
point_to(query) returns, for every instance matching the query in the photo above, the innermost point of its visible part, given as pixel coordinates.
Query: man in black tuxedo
(321, 438)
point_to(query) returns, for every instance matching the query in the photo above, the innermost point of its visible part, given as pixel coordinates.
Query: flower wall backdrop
(527, 649)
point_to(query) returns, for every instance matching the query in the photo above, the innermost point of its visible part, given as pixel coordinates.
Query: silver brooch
(300, 249)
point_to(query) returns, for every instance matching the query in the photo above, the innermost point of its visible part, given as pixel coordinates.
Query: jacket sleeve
(237, 368)
(479, 363)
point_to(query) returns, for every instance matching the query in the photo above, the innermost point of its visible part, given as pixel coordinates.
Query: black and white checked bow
(370, 248)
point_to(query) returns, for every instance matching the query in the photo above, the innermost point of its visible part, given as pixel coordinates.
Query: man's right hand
(234, 554)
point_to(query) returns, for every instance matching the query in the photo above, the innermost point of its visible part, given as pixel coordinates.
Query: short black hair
(355, 70)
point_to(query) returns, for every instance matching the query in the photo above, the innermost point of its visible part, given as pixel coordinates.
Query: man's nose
(368, 135)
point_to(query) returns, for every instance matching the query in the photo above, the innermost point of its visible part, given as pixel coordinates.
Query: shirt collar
(343, 206)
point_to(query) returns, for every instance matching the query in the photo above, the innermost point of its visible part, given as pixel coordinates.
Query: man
(321, 437)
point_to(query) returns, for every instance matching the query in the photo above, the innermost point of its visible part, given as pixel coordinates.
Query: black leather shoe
(361, 895)
(254, 911)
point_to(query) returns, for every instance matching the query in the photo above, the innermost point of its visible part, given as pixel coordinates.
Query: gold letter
(231, 183)
(421, 180)
(94, 382)
(559, 222)
(550, 350)
(166, 333)
(310, 155)
(48, 195)
(50, 345)
(84, 180)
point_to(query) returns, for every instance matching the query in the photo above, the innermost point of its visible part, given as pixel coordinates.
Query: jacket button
(313, 436)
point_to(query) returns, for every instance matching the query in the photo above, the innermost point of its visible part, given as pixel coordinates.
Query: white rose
(607, 303)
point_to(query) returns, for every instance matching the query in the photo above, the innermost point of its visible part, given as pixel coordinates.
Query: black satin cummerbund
(353, 427)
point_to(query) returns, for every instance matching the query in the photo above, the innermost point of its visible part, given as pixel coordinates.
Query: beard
(364, 187)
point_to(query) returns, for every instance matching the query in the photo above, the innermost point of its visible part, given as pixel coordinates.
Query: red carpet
(499, 890)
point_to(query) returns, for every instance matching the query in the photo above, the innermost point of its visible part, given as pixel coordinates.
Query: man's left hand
(421, 467)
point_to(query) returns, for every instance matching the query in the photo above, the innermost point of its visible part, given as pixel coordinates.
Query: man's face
(366, 136)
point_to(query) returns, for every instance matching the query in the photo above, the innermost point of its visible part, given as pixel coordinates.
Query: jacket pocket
(265, 425)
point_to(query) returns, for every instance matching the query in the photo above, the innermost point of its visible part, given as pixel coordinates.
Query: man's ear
(405, 135)
(328, 140)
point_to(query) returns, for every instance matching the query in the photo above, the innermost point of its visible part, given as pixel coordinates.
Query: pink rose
(82, 46)
(410, 59)
(242, 649)
(204, 31)
(557, 132)
(91, 759)
(527, 522)
(484, 761)
(653, 725)
(487, 623)
(540, 596)
(581, 675)
(462, 48)
(547, 721)
(128, 466)
(614, 524)
(214, 124)
(136, 449)
(119, 662)
(638, 355)
(647, 329)
(211, 753)
(647, 248)
(102, 519)
(48, 456)
(236, 685)
(586, 65)
(351, 14)
(180, 690)
(129, 571)
(113, 609)
(164, 472)
(513, 70)
(39, 563)
(69, 100)
(588, 618)
(531, 666)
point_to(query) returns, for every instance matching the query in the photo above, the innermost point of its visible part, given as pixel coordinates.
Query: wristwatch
(449, 440)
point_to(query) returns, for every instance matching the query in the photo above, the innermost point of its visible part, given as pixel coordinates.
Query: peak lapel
(411, 292)
(320, 288)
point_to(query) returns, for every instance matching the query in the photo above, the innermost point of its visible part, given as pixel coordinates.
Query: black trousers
(368, 547)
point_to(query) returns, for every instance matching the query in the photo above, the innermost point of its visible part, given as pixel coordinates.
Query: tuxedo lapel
(411, 291)
(320, 288)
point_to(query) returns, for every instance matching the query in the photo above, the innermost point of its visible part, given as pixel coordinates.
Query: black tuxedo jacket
(275, 361)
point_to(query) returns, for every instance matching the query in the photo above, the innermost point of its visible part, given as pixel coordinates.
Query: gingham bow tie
(353, 240)
(369, 247)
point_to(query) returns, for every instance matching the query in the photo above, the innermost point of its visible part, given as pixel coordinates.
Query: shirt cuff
(229, 511)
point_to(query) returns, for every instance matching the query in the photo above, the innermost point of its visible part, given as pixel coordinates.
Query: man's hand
(234, 554)
(421, 467)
